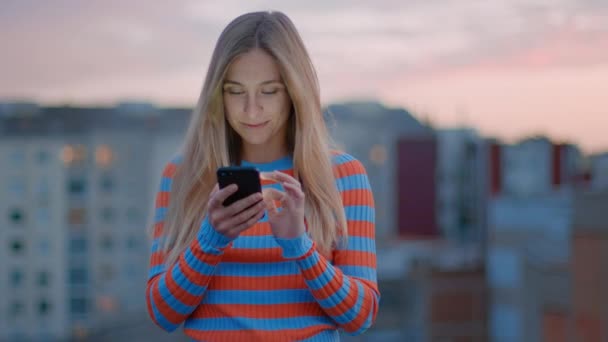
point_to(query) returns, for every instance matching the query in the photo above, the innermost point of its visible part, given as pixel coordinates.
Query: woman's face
(256, 101)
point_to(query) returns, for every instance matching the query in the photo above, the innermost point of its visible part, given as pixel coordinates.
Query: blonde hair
(210, 142)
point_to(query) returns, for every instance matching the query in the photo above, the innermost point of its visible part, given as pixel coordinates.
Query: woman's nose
(253, 107)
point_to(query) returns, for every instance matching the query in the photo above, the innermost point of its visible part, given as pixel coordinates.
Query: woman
(252, 271)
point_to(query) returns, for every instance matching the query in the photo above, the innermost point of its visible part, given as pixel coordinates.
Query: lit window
(104, 156)
(378, 154)
(107, 304)
(73, 154)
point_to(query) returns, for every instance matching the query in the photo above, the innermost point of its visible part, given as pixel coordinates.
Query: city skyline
(510, 69)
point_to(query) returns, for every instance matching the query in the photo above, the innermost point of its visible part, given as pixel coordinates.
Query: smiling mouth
(256, 125)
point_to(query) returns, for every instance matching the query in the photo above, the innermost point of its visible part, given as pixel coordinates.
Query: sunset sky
(509, 68)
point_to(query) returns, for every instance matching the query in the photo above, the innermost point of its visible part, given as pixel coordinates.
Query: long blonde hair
(210, 142)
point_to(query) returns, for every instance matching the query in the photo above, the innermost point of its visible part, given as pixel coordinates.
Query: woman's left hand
(289, 222)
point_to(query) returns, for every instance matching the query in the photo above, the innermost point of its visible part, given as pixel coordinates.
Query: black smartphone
(246, 178)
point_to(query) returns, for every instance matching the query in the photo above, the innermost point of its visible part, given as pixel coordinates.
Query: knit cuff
(210, 239)
(295, 248)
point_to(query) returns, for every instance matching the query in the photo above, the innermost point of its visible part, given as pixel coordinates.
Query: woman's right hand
(232, 220)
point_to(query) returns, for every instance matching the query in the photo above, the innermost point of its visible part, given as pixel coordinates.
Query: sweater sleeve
(346, 289)
(172, 293)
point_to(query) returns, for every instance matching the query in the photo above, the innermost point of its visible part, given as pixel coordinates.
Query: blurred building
(74, 211)
(527, 250)
(462, 185)
(533, 166)
(377, 135)
(599, 171)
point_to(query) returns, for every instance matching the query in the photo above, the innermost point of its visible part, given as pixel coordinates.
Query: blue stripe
(159, 214)
(363, 272)
(198, 265)
(365, 326)
(277, 186)
(263, 324)
(360, 213)
(323, 278)
(156, 244)
(309, 261)
(361, 244)
(165, 184)
(162, 321)
(342, 158)
(354, 182)
(257, 297)
(352, 313)
(338, 296)
(156, 270)
(257, 269)
(173, 302)
(255, 242)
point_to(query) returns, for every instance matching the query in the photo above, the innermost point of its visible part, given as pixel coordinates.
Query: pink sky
(508, 68)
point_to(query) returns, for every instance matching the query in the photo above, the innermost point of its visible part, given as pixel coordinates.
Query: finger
(215, 189)
(247, 224)
(246, 215)
(293, 190)
(243, 204)
(271, 207)
(224, 193)
(283, 177)
(273, 194)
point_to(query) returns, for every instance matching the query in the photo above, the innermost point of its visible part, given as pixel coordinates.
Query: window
(504, 268)
(17, 308)
(77, 216)
(79, 306)
(104, 156)
(378, 155)
(106, 272)
(16, 216)
(17, 246)
(16, 278)
(76, 186)
(106, 183)
(43, 216)
(44, 307)
(16, 187)
(44, 246)
(107, 215)
(106, 243)
(78, 245)
(78, 276)
(43, 157)
(43, 279)
(133, 215)
(107, 304)
(17, 157)
(132, 243)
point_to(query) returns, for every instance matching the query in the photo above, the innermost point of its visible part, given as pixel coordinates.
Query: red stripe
(257, 335)
(258, 283)
(258, 311)
(355, 258)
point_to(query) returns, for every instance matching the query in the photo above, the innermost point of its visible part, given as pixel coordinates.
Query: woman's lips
(256, 125)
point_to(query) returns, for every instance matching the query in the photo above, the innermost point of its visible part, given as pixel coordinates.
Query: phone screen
(246, 178)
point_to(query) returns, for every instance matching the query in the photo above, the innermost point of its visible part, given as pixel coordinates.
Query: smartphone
(246, 178)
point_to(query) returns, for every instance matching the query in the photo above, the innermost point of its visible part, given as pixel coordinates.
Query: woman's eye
(235, 92)
(269, 92)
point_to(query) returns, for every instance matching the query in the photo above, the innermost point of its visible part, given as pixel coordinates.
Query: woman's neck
(259, 154)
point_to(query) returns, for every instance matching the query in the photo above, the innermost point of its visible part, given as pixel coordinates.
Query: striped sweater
(261, 288)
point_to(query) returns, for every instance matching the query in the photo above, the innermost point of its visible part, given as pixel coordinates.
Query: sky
(509, 68)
